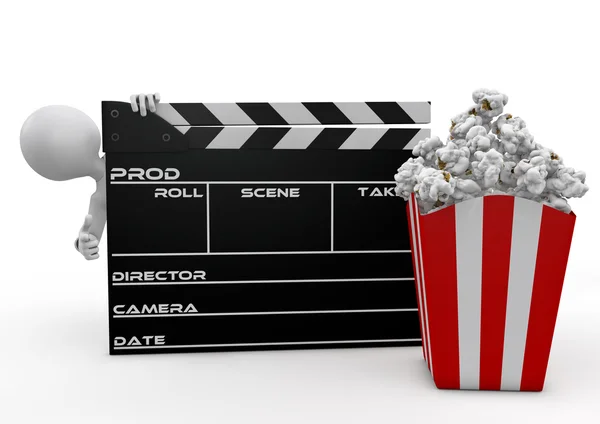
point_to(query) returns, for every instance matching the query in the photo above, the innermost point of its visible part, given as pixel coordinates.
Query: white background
(54, 365)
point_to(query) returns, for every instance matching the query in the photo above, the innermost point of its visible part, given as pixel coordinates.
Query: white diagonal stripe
(417, 277)
(229, 113)
(420, 112)
(523, 253)
(469, 238)
(298, 138)
(231, 137)
(169, 114)
(295, 113)
(363, 139)
(183, 128)
(421, 135)
(423, 283)
(359, 113)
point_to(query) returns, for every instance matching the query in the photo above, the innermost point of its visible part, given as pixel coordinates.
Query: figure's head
(61, 143)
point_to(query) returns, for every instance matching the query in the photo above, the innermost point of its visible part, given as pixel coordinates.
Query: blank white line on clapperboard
(208, 183)
(200, 346)
(227, 314)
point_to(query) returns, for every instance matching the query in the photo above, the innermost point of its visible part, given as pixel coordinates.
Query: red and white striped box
(489, 273)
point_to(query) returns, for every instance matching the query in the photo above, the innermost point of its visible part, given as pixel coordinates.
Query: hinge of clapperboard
(324, 125)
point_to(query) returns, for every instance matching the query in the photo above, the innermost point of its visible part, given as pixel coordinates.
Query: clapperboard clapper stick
(259, 226)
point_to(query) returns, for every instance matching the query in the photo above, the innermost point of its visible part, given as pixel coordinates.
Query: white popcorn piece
(551, 159)
(490, 103)
(434, 185)
(557, 202)
(531, 174)
(453, 159)
(461, 124)
(508, 179)
(487, 152)
(514, 135)
(406, 178)
(478, 139)
(488, 167)
(426, 149)
(567, 182)
(466, 189)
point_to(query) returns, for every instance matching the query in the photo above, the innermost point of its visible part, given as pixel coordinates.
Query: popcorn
(488, 167)
(478, 139)
(568, 183)
(426, 149)
(453, 159)
(514, 135)
(487, 152)
(490, 103)
(406, 178)
(557, 202)
(552, 160)
(531, 174)
(434, 185)
(466, 189)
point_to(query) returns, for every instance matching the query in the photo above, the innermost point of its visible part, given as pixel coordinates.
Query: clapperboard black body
(259, 226)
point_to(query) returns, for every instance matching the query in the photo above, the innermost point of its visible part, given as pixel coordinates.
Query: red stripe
(556, 232)
(497, 234)
(411, 228)
(438, 241)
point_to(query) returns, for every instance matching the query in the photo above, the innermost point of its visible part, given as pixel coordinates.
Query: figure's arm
(93, 226)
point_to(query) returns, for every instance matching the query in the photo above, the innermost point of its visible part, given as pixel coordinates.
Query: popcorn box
(489, 273)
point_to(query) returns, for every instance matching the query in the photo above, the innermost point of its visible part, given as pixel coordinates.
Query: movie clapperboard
(255, 226)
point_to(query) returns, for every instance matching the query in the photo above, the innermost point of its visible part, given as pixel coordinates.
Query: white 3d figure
(61, 143)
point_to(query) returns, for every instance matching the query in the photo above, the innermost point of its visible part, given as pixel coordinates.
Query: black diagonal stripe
(390, 113)
(327, 113)
(196, 114)
(395, 139)
(265, 138)
(262, 113)
(331, 138)
(200, 137)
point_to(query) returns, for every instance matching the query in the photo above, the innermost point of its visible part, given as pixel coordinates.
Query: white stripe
(233, 314)
(359, 113)
(207, 218)
(417, 272)
(420, 112)
(469, 238)
(169, 114)
(363, 139)
(229, 113)
(523, 252)
(231, 137)
(332, 214)
(298, 138)
(183, 128)
(421, 135)
(259, 253)
(423, 286)
(334, 280)
(295, 113)
(253, 182)
(267, 344)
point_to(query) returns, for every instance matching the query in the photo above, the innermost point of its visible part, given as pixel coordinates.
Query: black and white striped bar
(299, 138)
(318, 113)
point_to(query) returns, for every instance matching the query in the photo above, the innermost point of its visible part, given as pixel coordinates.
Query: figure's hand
(144, 102)
(87, 244)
